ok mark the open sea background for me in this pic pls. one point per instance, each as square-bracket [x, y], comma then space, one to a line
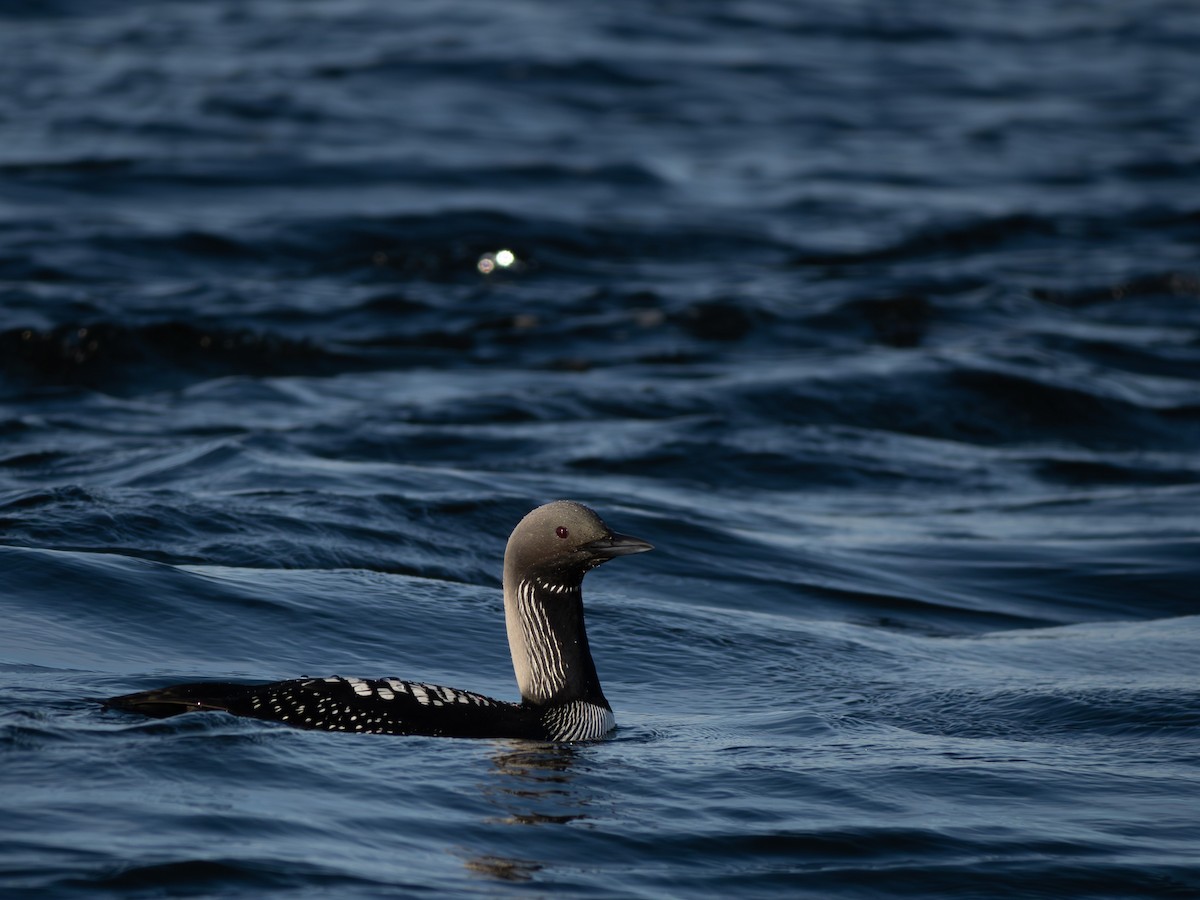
[882, 321]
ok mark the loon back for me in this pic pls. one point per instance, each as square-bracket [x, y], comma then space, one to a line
[548, 554]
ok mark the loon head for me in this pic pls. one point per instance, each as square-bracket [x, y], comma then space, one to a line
[557, 544]
[548, 554]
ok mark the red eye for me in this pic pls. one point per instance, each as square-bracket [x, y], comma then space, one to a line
[562, 532]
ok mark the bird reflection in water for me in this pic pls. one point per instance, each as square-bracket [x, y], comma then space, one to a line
[532, 786]
[503, 868]
[535, 784]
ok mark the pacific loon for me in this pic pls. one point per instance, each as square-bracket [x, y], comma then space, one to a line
[548, 554]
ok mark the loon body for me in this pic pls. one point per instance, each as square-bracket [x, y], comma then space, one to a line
[548, 554]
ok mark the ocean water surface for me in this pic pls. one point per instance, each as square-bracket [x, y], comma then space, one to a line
[881, 322]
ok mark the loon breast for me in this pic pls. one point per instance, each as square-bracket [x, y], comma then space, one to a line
[548, 554]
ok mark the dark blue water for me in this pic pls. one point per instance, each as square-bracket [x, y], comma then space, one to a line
[882, 321]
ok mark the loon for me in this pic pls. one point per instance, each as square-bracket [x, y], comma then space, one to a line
[548, 553]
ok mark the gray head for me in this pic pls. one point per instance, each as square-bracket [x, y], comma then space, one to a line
[558, 543]
[548, 554]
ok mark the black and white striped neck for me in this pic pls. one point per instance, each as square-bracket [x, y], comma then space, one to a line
[551, 656]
